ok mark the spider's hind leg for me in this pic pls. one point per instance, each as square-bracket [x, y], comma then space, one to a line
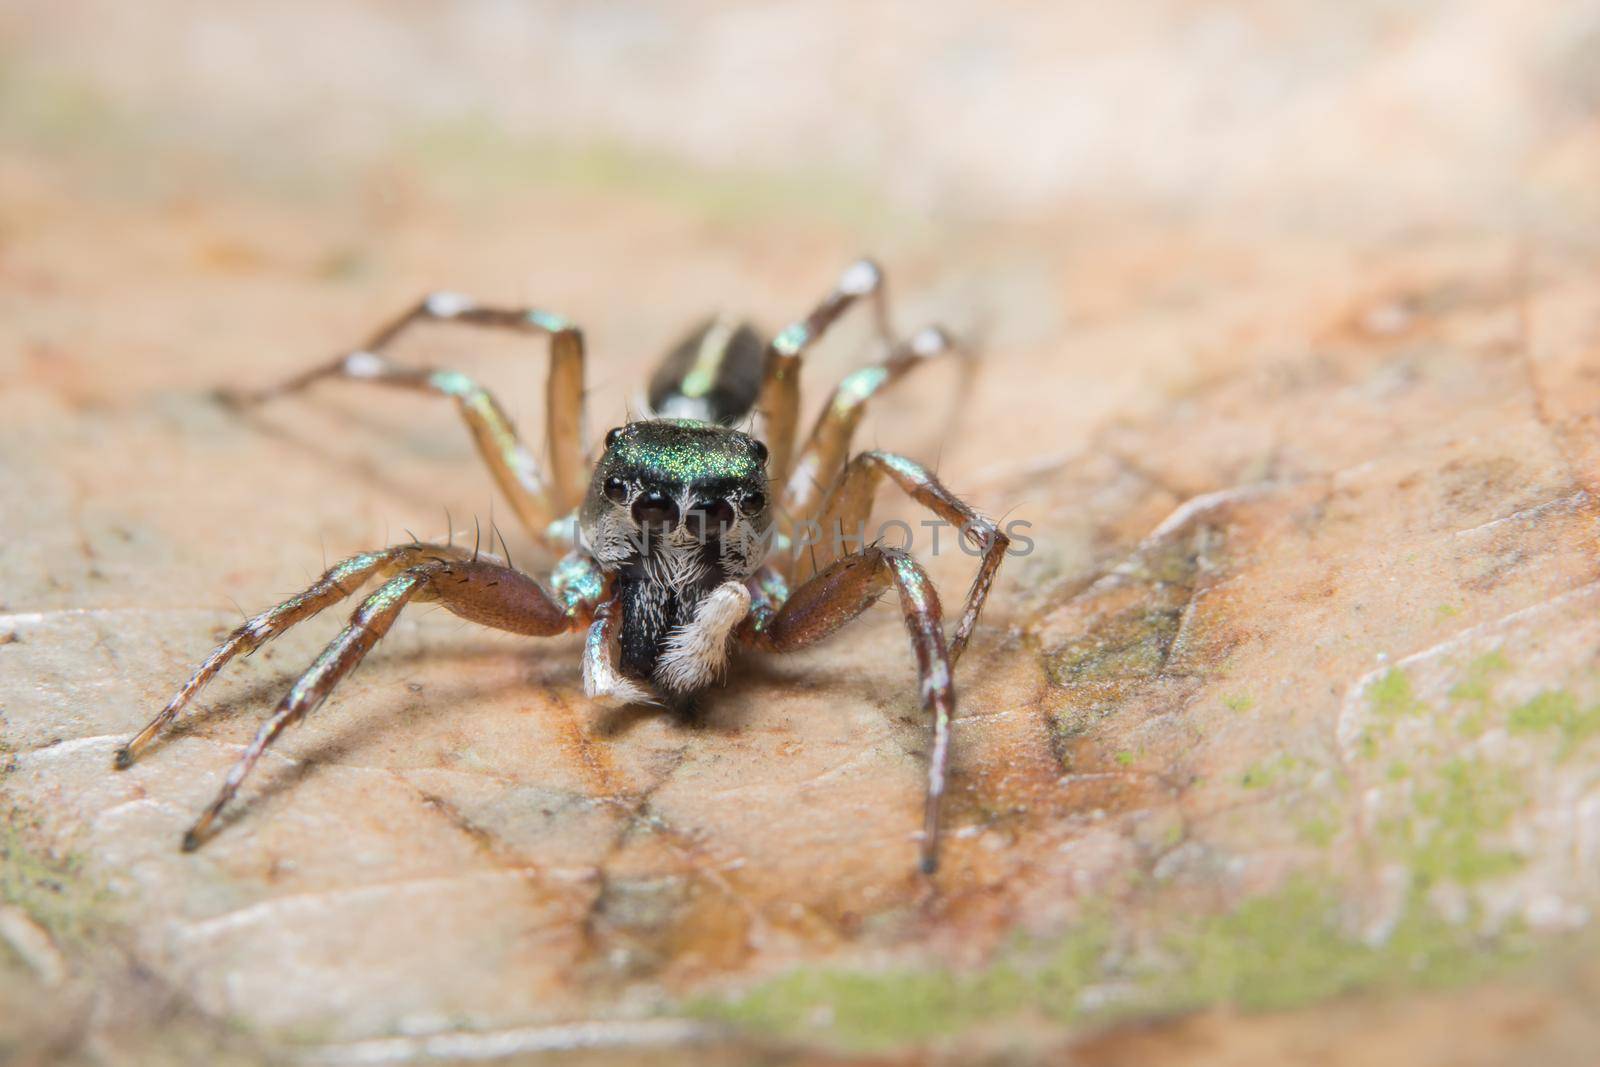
[823, 456]
[512, 463]
[778, 404]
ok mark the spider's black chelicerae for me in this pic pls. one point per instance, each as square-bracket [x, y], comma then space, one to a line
[682, 539]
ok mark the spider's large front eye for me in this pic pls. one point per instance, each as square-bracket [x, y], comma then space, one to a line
[616, 490]
[710, 515]
[655, 509]
[752, 502]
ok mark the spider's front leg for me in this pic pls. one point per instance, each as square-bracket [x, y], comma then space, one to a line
[512, 463]
[841, 593]
[339, 582]
[478, 589]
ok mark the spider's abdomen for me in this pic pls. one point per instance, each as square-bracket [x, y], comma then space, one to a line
[712, 375]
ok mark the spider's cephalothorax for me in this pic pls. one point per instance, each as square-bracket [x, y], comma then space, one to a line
[677, 545]
[676, 508]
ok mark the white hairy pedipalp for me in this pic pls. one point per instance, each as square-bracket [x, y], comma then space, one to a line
[696, 653]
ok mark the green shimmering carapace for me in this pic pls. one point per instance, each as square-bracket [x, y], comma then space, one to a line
[684, 451]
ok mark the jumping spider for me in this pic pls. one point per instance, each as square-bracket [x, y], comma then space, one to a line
[674, 543]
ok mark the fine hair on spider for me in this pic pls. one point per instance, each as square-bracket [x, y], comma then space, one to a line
[676, 545]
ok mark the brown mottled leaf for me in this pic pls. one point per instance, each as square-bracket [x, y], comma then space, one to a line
[1282, 735]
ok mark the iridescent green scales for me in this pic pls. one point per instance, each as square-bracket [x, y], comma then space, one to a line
[685, 451]
[577, 580]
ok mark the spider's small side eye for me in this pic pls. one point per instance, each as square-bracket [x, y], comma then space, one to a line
[761, 451]
[752, 503]
[612, 435]
[616, 489]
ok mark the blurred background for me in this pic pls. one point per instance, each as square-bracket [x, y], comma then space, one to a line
[1373, 113]
[1327, 269]
[1030, 169]
[1029, 173]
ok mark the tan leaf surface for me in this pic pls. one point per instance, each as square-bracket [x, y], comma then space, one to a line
[1293, 697]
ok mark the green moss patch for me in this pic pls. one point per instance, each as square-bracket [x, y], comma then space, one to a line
[1290, 948]
[1284, 949]
[1279, 770]
[883, 1008]
[1392, 697]
[1132, 644]
[51, 890]
[1445, 815]
[1557, 712]
[477, 149]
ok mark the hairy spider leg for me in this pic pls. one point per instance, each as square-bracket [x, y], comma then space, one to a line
[778, 402]
[841, 593]
[512, 463]
[845, 513]
[823, 456]
[478, 590]
[340, 581]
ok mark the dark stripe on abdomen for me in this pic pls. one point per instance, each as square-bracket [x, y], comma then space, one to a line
[713, 374]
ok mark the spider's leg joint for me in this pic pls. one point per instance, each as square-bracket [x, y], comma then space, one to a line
[363, 364]
[447, 305]
[861, 278]
[931, 341]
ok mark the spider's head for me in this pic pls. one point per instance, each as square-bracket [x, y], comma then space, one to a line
[677, 485]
